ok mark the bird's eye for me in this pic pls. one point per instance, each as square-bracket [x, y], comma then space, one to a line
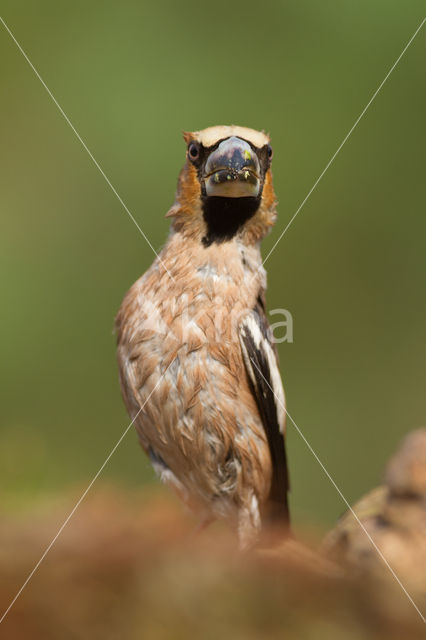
[270, 152]
[193, 151]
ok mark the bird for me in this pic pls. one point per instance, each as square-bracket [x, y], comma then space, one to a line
[198, 366]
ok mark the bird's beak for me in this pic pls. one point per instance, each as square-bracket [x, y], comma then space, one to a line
[232, 170]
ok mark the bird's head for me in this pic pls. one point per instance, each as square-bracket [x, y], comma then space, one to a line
[225, 187]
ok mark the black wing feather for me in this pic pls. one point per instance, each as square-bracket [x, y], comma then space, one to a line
[260, 358]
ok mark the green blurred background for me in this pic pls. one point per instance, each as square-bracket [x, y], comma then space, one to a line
[351, 269]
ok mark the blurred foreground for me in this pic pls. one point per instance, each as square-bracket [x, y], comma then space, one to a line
[129, 566]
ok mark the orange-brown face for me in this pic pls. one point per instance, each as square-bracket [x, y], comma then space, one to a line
[225, 187]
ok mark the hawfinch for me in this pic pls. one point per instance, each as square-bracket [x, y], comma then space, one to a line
[198, 367]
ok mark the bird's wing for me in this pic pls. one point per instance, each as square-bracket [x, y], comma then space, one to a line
[262, 368]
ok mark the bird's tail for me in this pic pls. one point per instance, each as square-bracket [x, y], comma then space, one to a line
[276, 512]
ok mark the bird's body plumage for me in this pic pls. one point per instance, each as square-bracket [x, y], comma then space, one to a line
[188, 332]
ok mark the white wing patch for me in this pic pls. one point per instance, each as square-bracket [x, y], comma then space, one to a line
[251, 332]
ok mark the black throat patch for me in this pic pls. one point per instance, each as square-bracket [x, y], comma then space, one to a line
[225, 216]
